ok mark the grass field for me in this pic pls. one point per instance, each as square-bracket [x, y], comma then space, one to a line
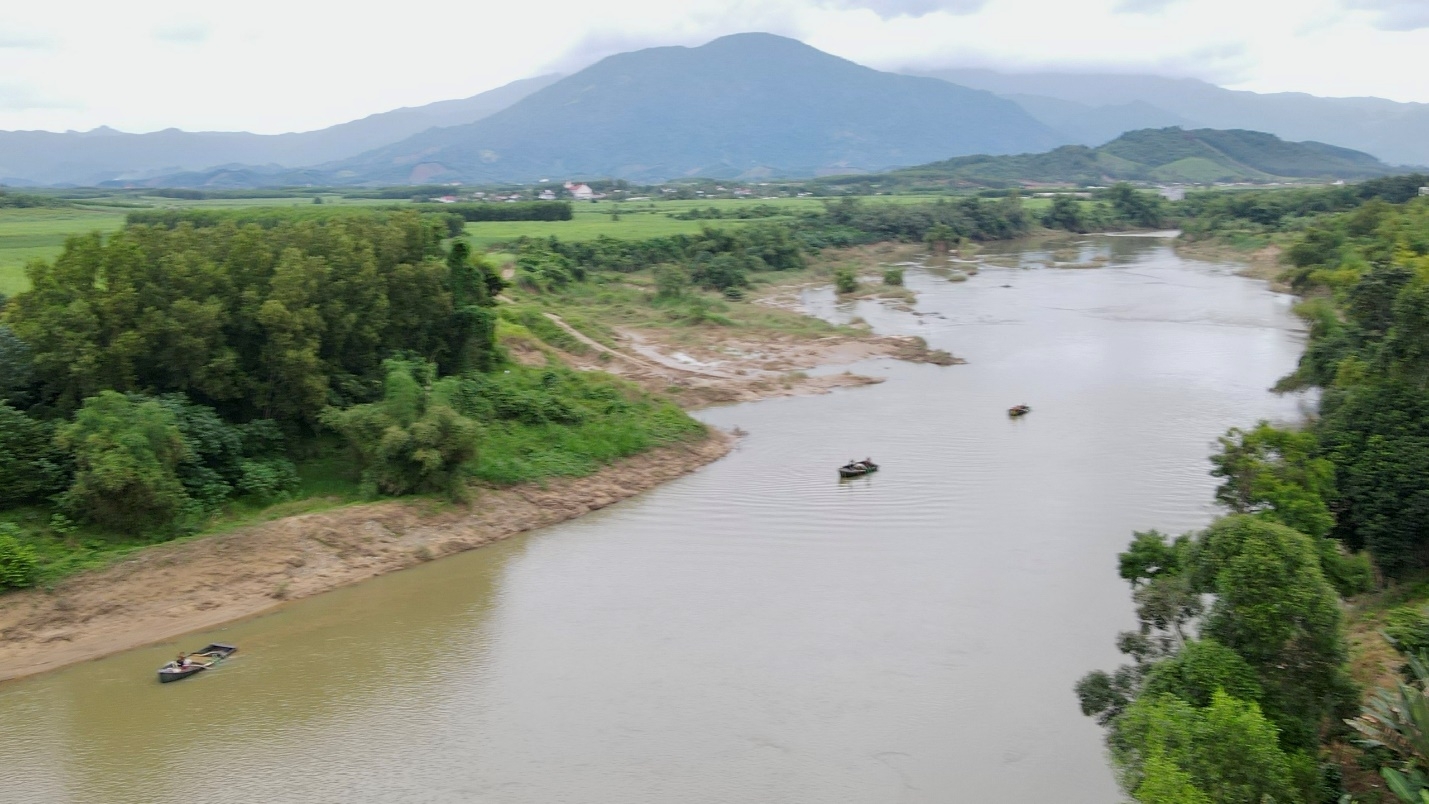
[642, 219]
[27, 234]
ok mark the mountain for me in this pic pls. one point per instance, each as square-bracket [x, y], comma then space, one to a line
[1161, 155]
[91, 157]
[1395, 132]
[742, 105]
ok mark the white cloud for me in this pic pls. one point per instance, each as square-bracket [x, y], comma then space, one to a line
[21, 41]
[1141, 6]
[279, 65]
[22, 98]
[888, 9]
[191, 33]
[1395, 15]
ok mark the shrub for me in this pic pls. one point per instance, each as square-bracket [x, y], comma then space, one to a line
[19, 566]
[1407, 627]
[893, 276]
[845, 280]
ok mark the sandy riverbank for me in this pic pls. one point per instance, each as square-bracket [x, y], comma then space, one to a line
[173, 589]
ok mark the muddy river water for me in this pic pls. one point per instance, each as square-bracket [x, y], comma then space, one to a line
[757, 632]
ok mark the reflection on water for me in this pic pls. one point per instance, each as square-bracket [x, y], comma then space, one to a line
[758, 631]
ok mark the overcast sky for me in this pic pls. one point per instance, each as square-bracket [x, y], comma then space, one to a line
[294, 65]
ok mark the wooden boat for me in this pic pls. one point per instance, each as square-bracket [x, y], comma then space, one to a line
[1018, 410]
[203, 659]
[858, 468]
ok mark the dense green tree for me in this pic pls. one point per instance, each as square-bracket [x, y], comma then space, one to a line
[1136, 208]
[1065, 213]
[1227, 751]
[127, 455]
[1278, 474]
[413, 440]
[272, 319]
[32, 468]
[1377, 434]
[1274, 607]
[17, 373]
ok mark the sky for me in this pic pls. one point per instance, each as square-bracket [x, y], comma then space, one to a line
[296, 65]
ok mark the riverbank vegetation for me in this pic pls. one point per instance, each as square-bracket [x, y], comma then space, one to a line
[1254, 697]
[173, 377]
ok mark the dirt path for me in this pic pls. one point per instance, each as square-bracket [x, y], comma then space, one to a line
[170, 590]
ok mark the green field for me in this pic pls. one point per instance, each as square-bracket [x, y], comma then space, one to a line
[644, 219]
[28, 234]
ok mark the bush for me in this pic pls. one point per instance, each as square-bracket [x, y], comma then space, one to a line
[267, 479]
[1407, 628]
[845, 280]
[19, 566]
[893, 277]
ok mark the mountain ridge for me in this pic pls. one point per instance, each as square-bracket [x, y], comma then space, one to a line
[1169, 155]
[1393, 131]
[738, 104]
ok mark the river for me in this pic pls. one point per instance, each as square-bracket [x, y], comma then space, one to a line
[757, 632]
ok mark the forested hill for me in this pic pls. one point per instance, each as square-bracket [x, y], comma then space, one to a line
[1164, 154]
[740, 105]
[1090, 108]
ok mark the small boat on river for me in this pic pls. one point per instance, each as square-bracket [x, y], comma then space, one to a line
[857, 468]
[195, 662]
[1018, 410]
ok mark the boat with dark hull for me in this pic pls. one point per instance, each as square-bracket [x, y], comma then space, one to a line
[1017, 411]
[200, 660]
[858, 469]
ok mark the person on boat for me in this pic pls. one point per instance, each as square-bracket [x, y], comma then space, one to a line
[183, 662]
[868, 463]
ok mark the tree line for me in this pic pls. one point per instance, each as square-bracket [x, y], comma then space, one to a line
[1235, 701]
[150, 378]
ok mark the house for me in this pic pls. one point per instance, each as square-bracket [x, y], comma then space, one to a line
[580, 192]
[547, 195]
[447, 199]
[1424, 191]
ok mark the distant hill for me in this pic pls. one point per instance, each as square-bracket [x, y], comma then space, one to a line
[1158, 155]
[1090, 109]
[92, 157]
[743, 105]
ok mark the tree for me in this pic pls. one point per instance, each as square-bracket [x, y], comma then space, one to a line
[31, 467]
[1065, 213]
[1227, 751]
[1277, 474]
[1136, 208]
[126, 458]
[1377, 434]
[1275, 609]
[845, 280]
[939, 237]
[17, 372]
[412, 441]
